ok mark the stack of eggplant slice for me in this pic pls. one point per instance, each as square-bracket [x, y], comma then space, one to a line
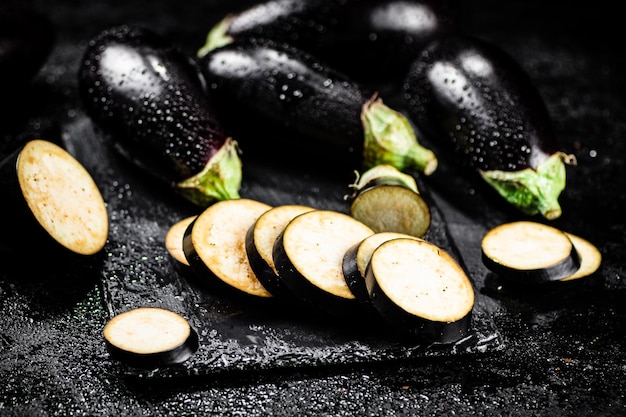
[524, 254]
[326, 263]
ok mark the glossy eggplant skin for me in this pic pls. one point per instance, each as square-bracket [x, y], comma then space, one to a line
[27, 38]
[371, 40]
[276, 88]
[148, 98]
[274, 85]
[468, 96]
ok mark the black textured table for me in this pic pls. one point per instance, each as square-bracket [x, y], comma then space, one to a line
[556, 352]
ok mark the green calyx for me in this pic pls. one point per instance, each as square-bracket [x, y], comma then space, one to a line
[217, 37]
[533, 191]
[384, 173]
[390, 139]
[219, 180]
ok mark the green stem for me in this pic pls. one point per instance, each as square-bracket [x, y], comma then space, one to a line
[219, 180]
[217, 37]
[383, 173]
[533, 191]
[390, 139]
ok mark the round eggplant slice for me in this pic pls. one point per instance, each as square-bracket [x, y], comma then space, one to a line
[388, 200]
[308, 255]
[49, 197]
[421, 290]
[260, 240]
[526, 252]
[357, 258]
[214, 245]
[590, 258]
[174, 241]
[150, 337]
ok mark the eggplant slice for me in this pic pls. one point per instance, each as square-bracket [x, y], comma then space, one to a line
[590, 258]
[527, 252]
[150, 337]
[260, 240]
[420, 290]
[308, 255]
[388, 200]
[357, 258]
[51, 198]
[214, 245]
[174, 241]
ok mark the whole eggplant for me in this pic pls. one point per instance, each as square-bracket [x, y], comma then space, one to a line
[468, 96]
[371, 40]
[148, 98]
[272, 87]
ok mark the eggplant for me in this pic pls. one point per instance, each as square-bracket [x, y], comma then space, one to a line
[174, 242]
[308, 256]
[214, 246]
[274, 87]
[356, 260]
[527, 253]
[471, 99]
[27, 38]
[260, 240]
[420, 290]
[51, 204]
[590, 258]
[150, 337]
[388, 200]
[371, 40]
[148, 99]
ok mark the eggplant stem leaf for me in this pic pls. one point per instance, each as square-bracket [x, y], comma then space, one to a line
[533, 191]
[219, 180]
[390, 139]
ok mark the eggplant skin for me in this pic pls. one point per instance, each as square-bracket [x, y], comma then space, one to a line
[273, 85]
[470, 96]
[371, 40]
[147, 96]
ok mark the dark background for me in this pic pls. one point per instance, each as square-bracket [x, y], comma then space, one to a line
[564, 350]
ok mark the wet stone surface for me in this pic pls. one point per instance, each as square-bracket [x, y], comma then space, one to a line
[556, 351]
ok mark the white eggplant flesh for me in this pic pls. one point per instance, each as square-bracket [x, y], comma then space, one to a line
[51, 201]
[174, 241]
[214, 246]
[421, 290]
[357, 258]
[260, 240]
[150, 337]
[527, 252]
[308, 255]
[590, 258]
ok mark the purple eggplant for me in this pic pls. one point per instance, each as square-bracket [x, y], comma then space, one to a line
[148, 99]
[371, 40]
[278, 87]
[468, 96]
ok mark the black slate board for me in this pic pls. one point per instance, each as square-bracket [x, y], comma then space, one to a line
[236, 335]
